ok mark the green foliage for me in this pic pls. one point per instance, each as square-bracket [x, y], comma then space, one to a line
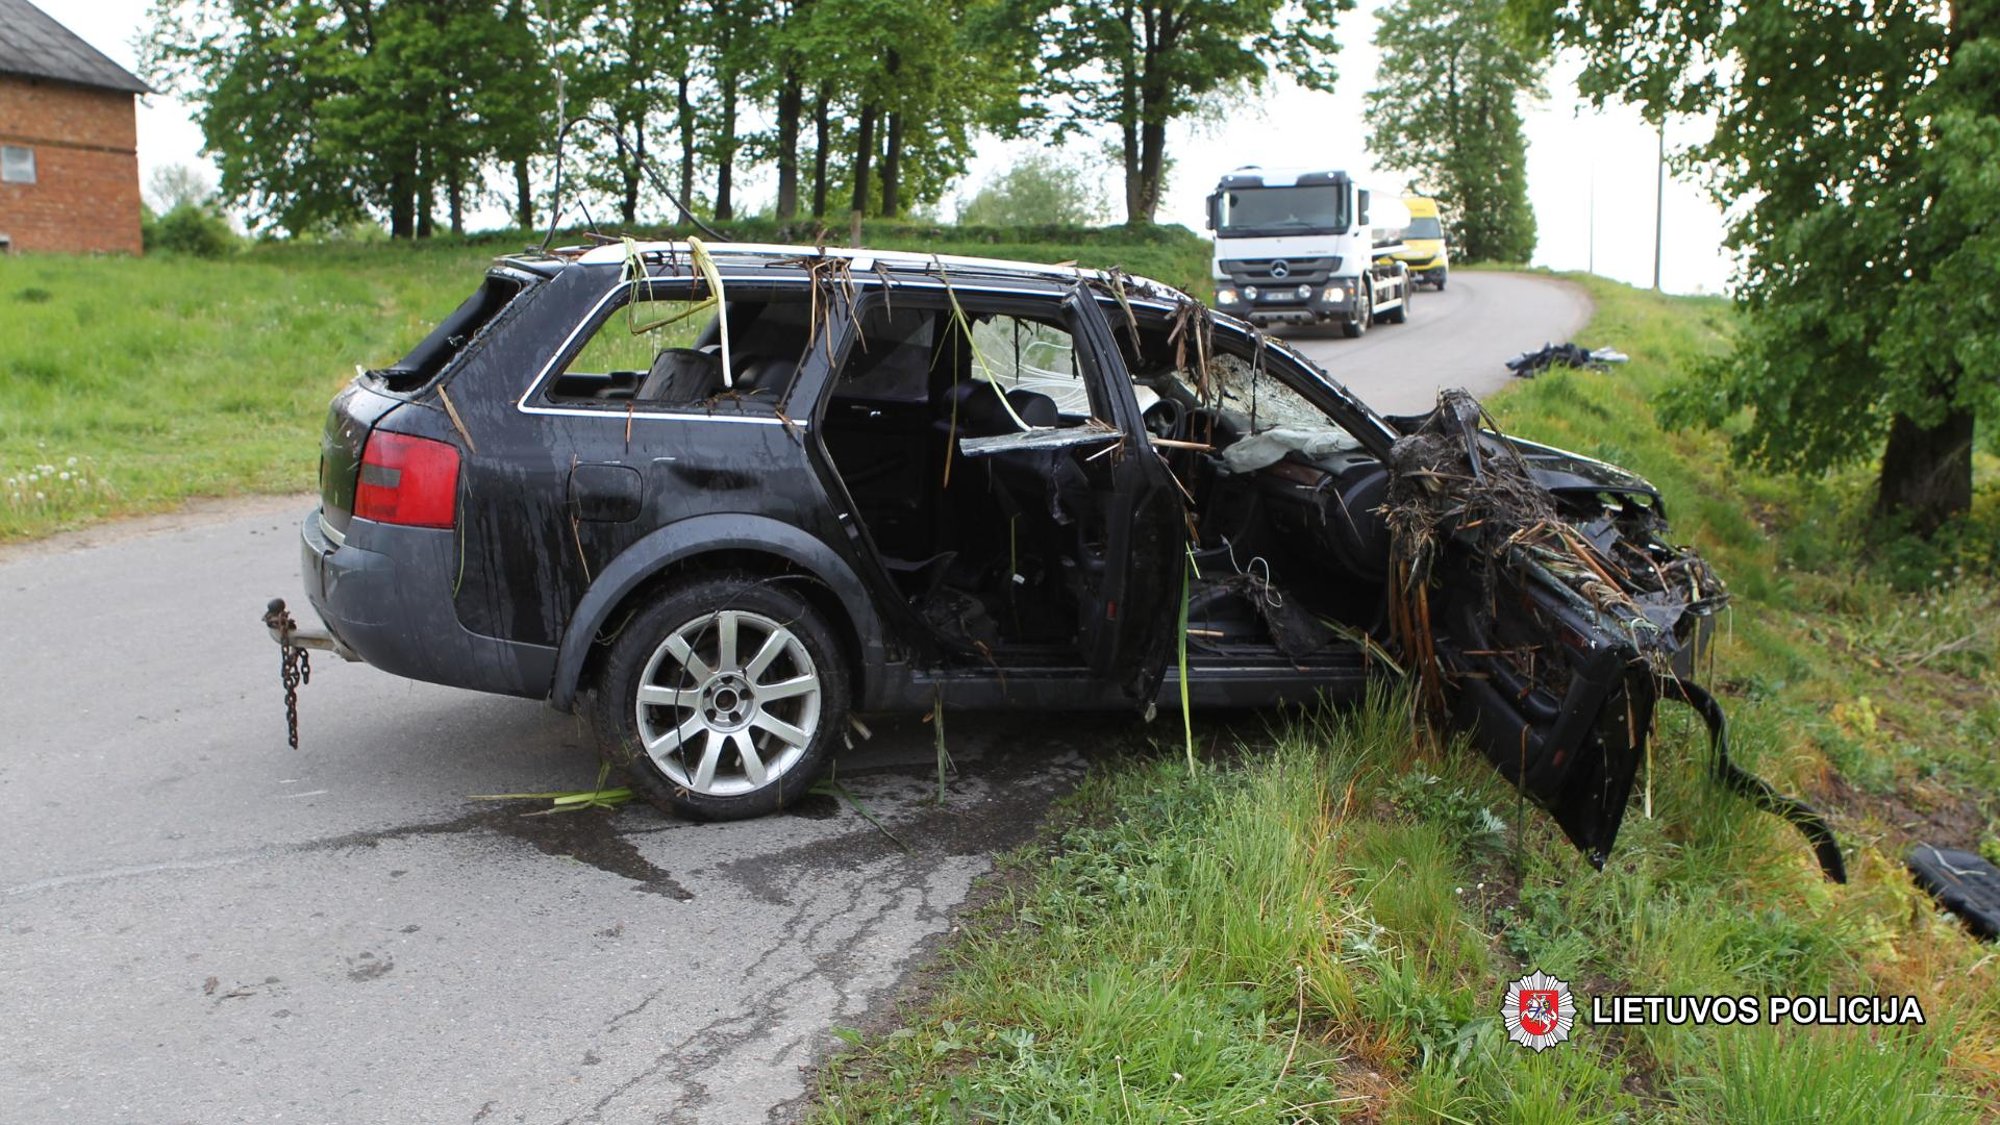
[1866, 141]
[1134, 66]
[1446, 110]
[1038, 189]
[318, 113]
[189, 229]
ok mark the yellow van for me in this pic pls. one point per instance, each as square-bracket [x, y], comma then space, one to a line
[1424, 250]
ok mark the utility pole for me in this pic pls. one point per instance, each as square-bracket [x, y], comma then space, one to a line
[1591, 239]
[1660, 207]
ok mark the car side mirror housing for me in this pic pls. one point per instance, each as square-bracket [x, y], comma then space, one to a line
[1213, 199]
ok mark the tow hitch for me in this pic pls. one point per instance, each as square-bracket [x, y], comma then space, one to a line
[1746, 784]
[295, 658]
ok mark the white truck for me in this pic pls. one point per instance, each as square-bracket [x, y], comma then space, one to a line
[1307, 247]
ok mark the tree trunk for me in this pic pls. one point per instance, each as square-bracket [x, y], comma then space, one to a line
[524, 199]
[1926, 472]
[790, 101]
[685, 108]
[457, 202]
[1152, 165]
[725, 152]
[821, 127]
[892, 169]
[864, 155]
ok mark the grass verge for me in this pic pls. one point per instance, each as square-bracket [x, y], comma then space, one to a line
[130, 385]
[1321, 927]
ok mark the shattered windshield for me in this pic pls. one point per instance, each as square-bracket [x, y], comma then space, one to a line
[1262, 398]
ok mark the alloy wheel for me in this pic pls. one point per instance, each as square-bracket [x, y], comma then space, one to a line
[728, 703]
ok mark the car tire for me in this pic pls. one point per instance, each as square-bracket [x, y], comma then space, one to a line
[1440, 281]
[1363, 317]
[723, 698]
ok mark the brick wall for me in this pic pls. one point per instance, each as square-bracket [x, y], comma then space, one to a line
[85, 198]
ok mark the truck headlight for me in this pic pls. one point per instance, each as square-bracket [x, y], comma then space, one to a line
[1250, 292]
[1305, 292]
[1225, 296]
[1336, 294]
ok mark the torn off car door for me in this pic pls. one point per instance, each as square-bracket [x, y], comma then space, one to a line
[1548, 615]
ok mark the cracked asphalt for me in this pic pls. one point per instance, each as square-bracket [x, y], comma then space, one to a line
[198, 924]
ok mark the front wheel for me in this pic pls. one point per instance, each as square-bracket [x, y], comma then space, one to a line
[722, 699]
[1364, 315]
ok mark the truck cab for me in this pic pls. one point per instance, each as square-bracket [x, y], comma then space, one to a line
[1425, 250]
[1307, 247]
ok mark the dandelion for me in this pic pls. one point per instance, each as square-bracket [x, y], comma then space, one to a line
[40, 496]
[64, 475]
[72, 461]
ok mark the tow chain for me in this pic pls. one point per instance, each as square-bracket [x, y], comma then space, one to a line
[294, 664]
[294, 668]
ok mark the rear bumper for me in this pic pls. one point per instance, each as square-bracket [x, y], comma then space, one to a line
[385, 592]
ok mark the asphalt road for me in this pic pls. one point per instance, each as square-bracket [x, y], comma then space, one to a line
[1460, 337]
[198, 924]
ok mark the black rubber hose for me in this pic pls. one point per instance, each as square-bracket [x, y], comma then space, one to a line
[1759, 792]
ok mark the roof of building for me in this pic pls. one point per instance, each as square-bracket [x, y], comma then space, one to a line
[33, 44]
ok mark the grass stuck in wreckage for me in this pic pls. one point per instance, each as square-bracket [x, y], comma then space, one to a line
[1319, 923]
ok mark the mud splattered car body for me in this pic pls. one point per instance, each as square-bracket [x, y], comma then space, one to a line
[723, 499]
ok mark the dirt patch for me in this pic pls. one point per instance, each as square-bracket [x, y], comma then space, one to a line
[1919, 812]
[193, 514]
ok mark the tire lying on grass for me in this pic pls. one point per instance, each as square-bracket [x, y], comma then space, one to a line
[723, 698]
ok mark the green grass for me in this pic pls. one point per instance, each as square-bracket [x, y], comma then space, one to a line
[1321, 925]
[132, 385]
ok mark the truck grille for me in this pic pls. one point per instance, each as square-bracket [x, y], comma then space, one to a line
[1280, 271]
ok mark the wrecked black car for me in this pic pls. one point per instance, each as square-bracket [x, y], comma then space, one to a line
[722, 498]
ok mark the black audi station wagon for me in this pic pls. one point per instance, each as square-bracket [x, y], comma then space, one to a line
[723, 498]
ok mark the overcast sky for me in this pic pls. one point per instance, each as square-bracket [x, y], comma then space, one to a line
[1587, 171]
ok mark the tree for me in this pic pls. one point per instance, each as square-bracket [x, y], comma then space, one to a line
[179, 185]
[320, 111]
[1859, 142]
[1138, 65]
[1038, 189]
[1446, 110]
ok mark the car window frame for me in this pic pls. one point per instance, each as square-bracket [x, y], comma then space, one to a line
[536, 399]
[1290, 367]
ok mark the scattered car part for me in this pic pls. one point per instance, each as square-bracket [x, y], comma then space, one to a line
[1529, 364]
[1963, 883]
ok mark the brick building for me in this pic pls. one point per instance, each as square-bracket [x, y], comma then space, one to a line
[69, 163]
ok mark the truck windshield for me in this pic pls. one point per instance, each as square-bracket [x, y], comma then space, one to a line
[1426, 227]
[1250, 212]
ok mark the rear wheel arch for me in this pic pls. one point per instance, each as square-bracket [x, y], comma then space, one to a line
[717, 545]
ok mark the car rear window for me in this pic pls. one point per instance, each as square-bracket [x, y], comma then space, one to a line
[451, 336]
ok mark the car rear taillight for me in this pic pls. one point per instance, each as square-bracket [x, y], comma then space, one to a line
[407, 480]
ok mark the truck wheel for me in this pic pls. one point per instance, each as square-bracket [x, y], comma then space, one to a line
[1364, 316]
[1401, 313]
[723, 699]
[1440, 280]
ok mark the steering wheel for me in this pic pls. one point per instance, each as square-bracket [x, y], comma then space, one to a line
[1167, 418]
